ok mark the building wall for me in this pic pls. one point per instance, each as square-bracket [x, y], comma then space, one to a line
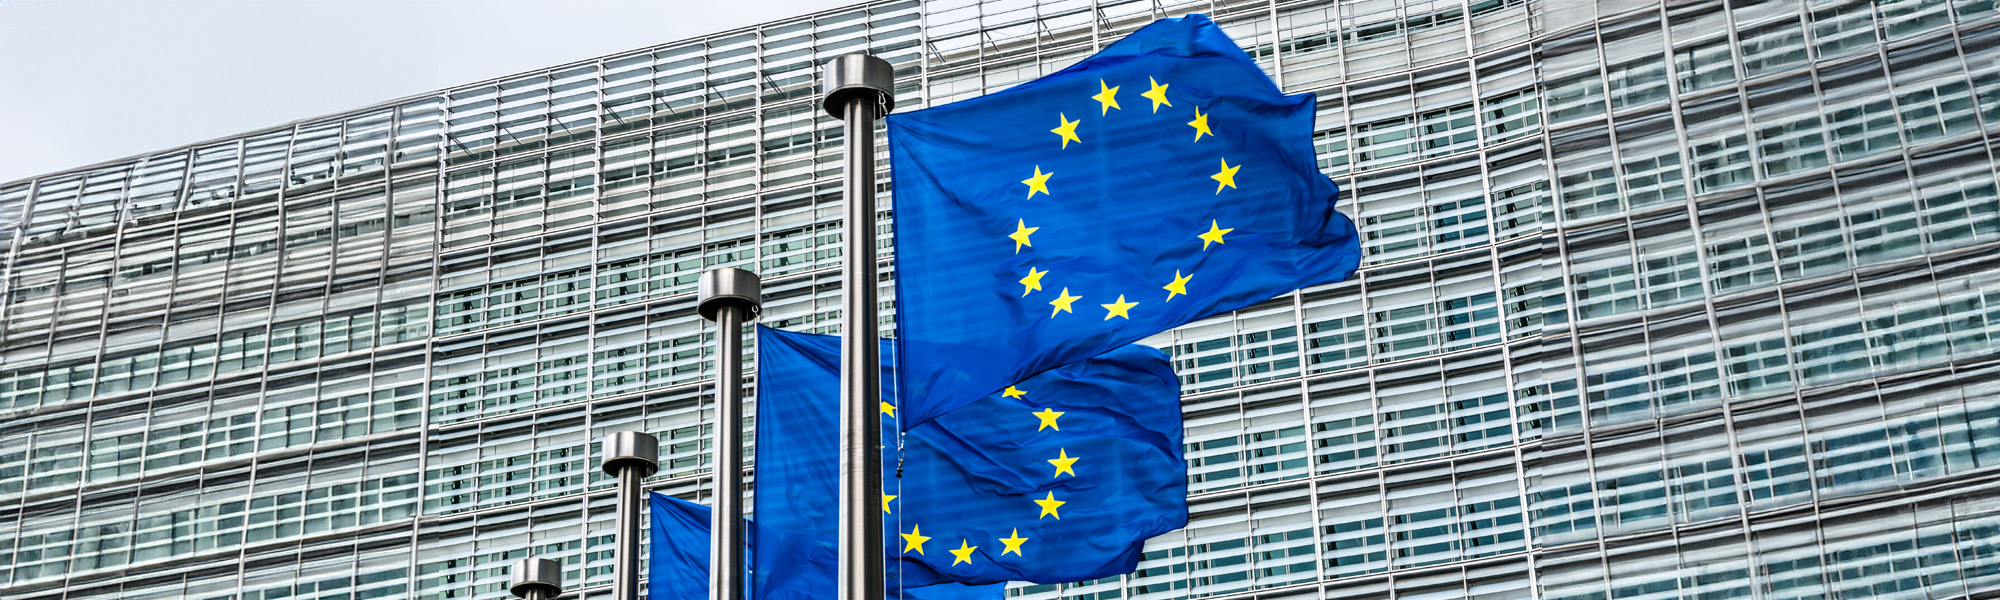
[1691, 301]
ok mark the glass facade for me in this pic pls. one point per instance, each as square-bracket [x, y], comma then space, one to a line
[1686, 301]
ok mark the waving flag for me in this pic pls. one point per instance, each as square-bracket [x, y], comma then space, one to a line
[1163, 180]
[679, 560]
[1061, 478]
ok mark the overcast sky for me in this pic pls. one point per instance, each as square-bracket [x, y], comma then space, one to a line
[86, 81]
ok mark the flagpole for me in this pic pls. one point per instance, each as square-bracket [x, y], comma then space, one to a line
[728, 296]
[859, 89]
[631, 457]
[536, 579]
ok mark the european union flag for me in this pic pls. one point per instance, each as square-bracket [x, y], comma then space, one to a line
[1060, 478]
[679, 561]
[1031, 233]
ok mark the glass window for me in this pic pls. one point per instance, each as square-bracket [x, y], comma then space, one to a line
[1413, 416]
[1775, 471]
[315, 148]
[1373, 37]
[1843, 29]
[1219, 546]
[1669, 266]
[1905, 324]
[1650, 160]
[1959, 198]
[1739, 251]
[1882, 214]
[1446, 121]
[1343, 416]
[1643, 569]
[1585, 177]
[1274, 439]
[1753, 346]
[1496, 23]
[1850, 447]
[1807, 232]
[1281, 526]
[1638, 71]
[1437, 32]
[1905, 18]
[1772, 47]
[1827, 340]
[1309, 48]
[1401, 315]
[1858, 109]
[1385, 130]
[1392, 215]
[1615, 377]
[1562, 507]
[1604, 280]
[1790, 138]
[1683, 363]
[1574, 89]
[1721, 151]
[1423, 515]
[1932, 95]
[1631, 482]
[1713, 565]
[1351, 525]
[1704, 66]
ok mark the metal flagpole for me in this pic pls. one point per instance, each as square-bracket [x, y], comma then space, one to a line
[728, 297]
[536, 579]
[859, 89]
[630, 456]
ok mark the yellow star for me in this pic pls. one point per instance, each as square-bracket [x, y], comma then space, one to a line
[885, 502]
[1158, 95]
[1040, 182]
[1033, 282]
[1200, 124]
[889, 409]
[1062, 303]
[1049, 506]
[1224, 178]
[964, 552]
[1117, 309]
[1013, 542]
[1179, 286]
[1063, 462]
[1022, 230]
[1048, 418]
[1013, 392]
[1067, 130]
[1107, 96]
[916, 538]
[1214, 234]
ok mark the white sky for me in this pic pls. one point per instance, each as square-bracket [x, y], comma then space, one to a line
[86, 81]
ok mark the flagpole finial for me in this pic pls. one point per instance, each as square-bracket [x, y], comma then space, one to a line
[535, 578]
[631, 449]
[855, 76]
[726, 287]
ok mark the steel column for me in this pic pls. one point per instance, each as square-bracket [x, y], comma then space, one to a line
[859, 89]
[630, 456]
[535, 579]
[729, 297]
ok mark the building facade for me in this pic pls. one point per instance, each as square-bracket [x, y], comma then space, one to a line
[1695, 301]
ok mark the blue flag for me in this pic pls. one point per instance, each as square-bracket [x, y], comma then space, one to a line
[1061, 478]
[679, 560]
[1163, 180]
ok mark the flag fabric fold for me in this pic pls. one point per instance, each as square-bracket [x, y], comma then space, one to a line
[1160, 181]
[679, 559]
[1061, 478]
